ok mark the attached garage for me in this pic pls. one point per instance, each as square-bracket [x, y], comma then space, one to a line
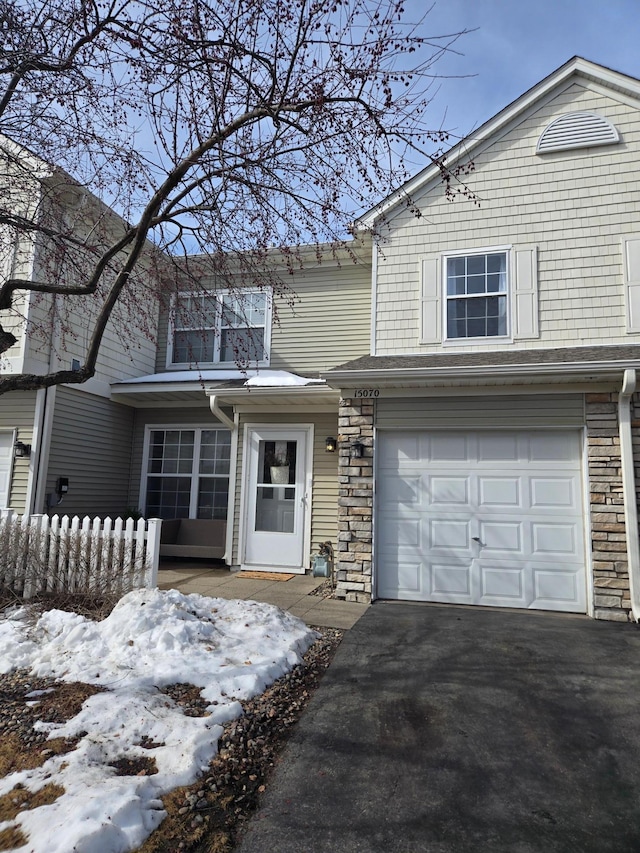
[486, 516]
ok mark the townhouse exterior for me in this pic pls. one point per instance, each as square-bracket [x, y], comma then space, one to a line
[498, 406]
[476, 365]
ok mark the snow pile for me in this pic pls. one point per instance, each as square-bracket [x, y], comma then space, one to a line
[231, 649]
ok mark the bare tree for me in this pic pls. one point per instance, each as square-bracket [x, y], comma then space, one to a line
[216, 129]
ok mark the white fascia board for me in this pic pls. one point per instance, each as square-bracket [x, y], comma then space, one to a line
[229, 394]
[341, 379]
[576, 66]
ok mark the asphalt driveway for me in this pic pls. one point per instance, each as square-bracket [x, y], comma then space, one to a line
[448, 730]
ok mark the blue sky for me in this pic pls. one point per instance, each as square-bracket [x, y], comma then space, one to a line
[518, 42]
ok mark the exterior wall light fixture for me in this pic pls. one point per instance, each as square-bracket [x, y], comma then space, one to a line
[356, 451]
[21, 450]
[330, 445]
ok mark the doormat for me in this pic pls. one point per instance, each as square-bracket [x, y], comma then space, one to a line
[266, 576]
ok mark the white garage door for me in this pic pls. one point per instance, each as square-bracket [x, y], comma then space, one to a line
[483, 517]
[6, 461]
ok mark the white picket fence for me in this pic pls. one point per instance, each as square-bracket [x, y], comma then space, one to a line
[96, 556]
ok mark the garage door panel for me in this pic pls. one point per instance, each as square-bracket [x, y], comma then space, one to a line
[491, 518]
[553, 493]
[403, 580]
[448, 534]
[401, 532]
[553, 447]
[502, 584]
[555, 539]
[448, 447]
[506, 536]
[449, 490]
[557, 588]
[451, 582]
[397, 491]
[495, 447]
[499, 492]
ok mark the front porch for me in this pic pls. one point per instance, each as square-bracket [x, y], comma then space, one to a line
[294, 595]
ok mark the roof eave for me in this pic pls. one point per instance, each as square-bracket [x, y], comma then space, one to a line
[572, 371]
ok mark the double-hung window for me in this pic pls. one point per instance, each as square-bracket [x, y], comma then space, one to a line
[476, 295]
[223, 328]
[187, 473]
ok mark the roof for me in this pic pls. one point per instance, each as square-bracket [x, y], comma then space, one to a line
[567, 361]
[575, 67]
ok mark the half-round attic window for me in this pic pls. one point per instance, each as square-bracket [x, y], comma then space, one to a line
[577, 130]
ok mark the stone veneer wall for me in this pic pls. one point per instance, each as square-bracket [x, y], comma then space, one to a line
[355, 502]
[608, 533]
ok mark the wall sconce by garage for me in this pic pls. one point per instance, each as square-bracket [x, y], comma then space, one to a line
[330, 445]
[21, 450]
[356, 451]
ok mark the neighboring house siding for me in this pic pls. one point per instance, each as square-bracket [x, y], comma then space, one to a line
[91, 445]
[17, 411]
[324, 503]
[574, 206]
[182, 417]
[328, 323]
[528, 412]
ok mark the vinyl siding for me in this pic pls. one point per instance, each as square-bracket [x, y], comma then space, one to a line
[183, 417]
[573, 205]
[324, 498]
[91, 445]
[538, 410]
[17, 411]
[324, 320]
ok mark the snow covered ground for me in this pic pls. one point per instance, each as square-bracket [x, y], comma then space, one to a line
[231, 649]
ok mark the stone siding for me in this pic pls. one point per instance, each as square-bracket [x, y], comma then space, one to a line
[608, 532]
[355, 502]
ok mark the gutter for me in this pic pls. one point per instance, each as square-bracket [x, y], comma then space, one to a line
[629, 488]
[345, 378]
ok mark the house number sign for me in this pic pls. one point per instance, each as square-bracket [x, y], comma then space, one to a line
[366, 392]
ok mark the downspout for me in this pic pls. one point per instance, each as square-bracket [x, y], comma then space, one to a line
[220, 415]
[233, 467]
[374, 293]
[629, 488]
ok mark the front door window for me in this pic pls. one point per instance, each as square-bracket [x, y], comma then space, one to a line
[276, 489]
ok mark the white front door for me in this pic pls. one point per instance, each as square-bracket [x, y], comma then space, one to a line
[6, 464]
[277, 499]
[482, 517]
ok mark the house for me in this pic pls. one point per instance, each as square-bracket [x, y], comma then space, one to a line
[477, 365]
[67, 446]
[232, 429]
[239, 460]
[490, 441]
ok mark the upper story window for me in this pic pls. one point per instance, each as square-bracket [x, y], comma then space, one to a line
[476, 295]
[222, 328]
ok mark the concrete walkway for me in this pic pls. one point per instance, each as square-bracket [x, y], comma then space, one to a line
[292, 595]
[464, 730]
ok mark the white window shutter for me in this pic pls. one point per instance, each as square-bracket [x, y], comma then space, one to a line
[524, 289]
[431, 302]
[631, 258]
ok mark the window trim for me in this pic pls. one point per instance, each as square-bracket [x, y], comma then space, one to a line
[195, 475]
[218, 295]
[483, 339]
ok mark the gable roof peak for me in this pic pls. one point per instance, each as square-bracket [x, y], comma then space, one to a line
[577, 66]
